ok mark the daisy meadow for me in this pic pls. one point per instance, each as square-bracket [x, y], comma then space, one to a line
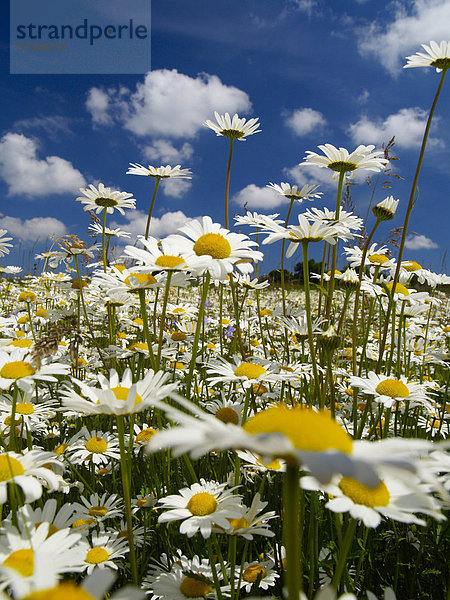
[201, 506]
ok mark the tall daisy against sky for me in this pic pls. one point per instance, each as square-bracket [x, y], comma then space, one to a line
[438, 57]
[157, 173]
[234, 129]
[106, 200]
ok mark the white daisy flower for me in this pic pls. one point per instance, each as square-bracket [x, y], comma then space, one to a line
[435, 55]
[4, 243]
[105, 550]
[97, 447]
[118, 396]
[252, 521]
[33, 560]
[176, 582]
[388, 390]
[160, 172]
[105, 198]
[342, 161]
[17, 368]
[28, 472]
[207, 246]
[392, 499]
[98, 508]
[157, 255]
[262, 574]
[200, 506]
[235, 128]
[243, 372]
[307, 192]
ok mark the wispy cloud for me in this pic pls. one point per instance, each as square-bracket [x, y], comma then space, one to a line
[166, 104]
[412, 24]
[420, 242]
[30, 176]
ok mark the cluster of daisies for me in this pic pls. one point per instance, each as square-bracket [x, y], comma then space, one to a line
[162, 412]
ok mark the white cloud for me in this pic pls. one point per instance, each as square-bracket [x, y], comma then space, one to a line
[176, 188]
[30, 176]
[306, 6]
[32, 230]
[52, 125]
[159, 226]
[253, 196]
[98, 105]
[363, 97]
[412, 24]
[165, 151]
[420, 242]
[408, 125]
[167, 103]
[304, 120]
[310, 174]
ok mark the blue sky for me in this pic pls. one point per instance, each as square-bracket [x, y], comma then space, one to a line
[313, 71]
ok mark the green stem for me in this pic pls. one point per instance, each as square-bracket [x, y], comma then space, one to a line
[335, 247]
[198, 328]
[103, 240]
[227, 184]
[308, 318]
[150, 210]
[409, 208]
[292, 531]
[344, 550]
[148, 339]
[163, 319]
[127, 495]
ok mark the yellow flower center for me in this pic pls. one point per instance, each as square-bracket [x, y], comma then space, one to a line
[9, 467]
[21, 343]
[193, 588]
[361, 494]
[97, 445]
[265, 312]
[106, 202]
[241, 523]
[51, 528]
[59, 450]
[41, 312]
[392, 388]
[24, 408]
[378, 259]
[273, 465]
[16, 370]
[145, 435]
[98, 511]
[342, 166]
[169, 261]
[121, 393]
[411, 266]
[66, 590]
[252, 572]
[82, 523]
[202, 504]
[226, 414]
[213, 244]
[178, 336]
[23, 319]
[249, 370]
[307, 430]
[259, 389]
[95, 556]
[139, 346]
[27, 296]
[21, 561]
[139, 279]
[399, 289]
